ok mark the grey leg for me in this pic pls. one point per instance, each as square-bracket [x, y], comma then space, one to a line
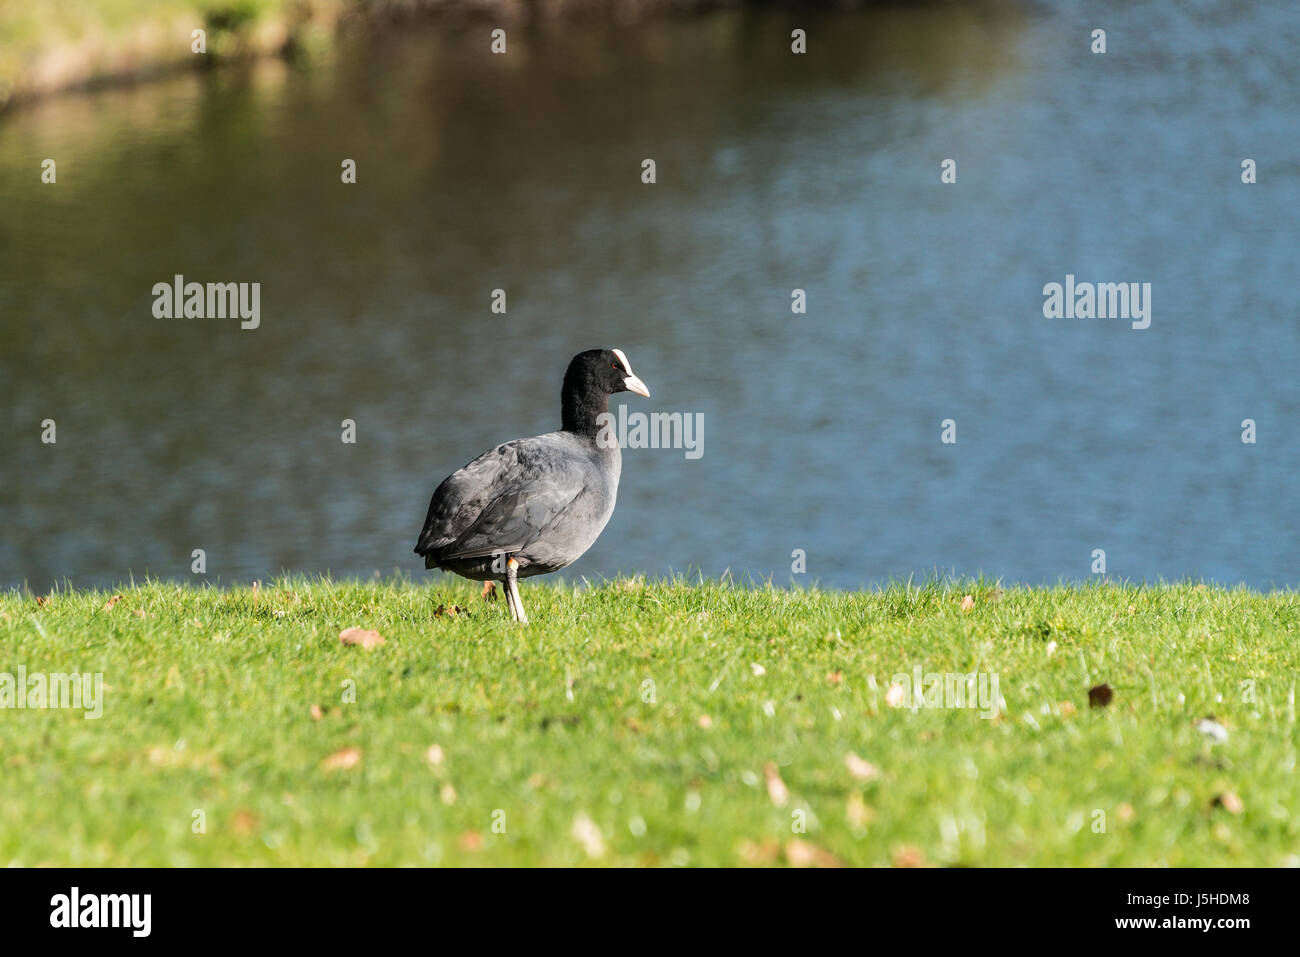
[510, 601]
[512, 592]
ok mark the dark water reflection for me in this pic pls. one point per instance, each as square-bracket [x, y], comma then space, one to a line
[775, 172]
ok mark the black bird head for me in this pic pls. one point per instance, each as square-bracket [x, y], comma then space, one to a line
[593, 376]
[602, 372]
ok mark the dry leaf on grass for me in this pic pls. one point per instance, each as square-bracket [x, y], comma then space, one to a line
[835, 677]
[42, 601]
[164, 757]
[586, 833]
[244, 823]
[316, 712]
[860, 769]
[434, 754]
[342, 760]
[895, 695]
[705, 722]
[758, 669]
[776, 788]
[757, 854]
[804, 854]
[1229, 802]
[448, 794]
[365, 637]
[111, 602]
[1100, 695]
[907, 856]
[968, 603]
[471, 841]
[450, 611]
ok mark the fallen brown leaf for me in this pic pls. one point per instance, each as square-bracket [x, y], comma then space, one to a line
[968, 603]
[1229, 802]
[450, 611]
[860, 769]
[803, 854]
[489, 591]
[587, 833]
[471, 841]
[776, 788]
[365, 637]
[757, 854]
[316, 712]
[835, 677]
[907, 856]
[244, 823]
[1100, 695]
[895, 695]
[342, 760]
[111, 602]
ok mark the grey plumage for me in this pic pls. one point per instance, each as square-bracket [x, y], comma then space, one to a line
[540, 501]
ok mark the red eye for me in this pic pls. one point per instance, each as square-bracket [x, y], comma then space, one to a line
[614, 366]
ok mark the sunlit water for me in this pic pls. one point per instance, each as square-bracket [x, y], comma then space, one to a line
[775, 172]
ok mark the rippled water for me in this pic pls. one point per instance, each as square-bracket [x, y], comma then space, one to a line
[775, 172]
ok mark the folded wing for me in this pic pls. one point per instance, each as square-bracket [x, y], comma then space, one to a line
[500, 502]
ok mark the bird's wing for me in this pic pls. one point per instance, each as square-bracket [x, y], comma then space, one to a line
[513, 521]
[500, 501]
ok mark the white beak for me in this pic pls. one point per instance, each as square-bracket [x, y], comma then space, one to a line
[631, 383]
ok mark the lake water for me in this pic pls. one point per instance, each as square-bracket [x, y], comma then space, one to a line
[822, 431]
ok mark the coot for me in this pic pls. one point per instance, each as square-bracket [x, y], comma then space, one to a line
[532, 506]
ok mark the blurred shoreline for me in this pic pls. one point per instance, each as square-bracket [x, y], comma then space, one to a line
[68, 45]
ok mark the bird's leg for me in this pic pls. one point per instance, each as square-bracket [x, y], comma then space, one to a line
[510, 602]
[512, 592]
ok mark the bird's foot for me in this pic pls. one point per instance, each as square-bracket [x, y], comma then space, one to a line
[512, 592]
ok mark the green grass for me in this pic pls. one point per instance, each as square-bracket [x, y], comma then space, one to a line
[209, 695]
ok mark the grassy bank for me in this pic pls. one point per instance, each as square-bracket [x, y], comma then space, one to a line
[655, 724]
[56, 45]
